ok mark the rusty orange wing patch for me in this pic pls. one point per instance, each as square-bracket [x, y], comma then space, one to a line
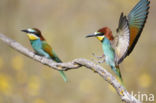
[137, 19]
[47, 48]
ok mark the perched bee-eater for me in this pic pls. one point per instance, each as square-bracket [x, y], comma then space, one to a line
[42, 48]
[116, 48]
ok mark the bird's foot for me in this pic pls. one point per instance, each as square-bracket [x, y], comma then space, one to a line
[98, 57]
[99, 61]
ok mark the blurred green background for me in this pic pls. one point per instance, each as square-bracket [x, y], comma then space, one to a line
[64, 23]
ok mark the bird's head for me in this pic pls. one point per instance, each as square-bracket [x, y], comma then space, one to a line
[102, 33]
[33, 34]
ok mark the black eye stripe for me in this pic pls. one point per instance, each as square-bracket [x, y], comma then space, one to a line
[31, 32]
[100, 34]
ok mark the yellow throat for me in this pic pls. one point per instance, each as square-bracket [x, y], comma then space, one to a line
[32, 36]
[100, 38]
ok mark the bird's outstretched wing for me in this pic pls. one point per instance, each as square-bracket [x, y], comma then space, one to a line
[121, 41]
[136, 21]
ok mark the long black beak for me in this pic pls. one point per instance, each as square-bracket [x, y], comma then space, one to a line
[95, 34]
[24, 31]
[91, 35]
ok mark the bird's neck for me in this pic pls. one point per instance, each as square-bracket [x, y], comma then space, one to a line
[41, 37]
[34, 41]
[106, 41]
[109, 35]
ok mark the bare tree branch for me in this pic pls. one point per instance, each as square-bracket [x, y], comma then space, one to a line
[74, 64]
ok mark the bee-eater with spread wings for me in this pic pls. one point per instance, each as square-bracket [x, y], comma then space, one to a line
[41, 47]
[130, 27]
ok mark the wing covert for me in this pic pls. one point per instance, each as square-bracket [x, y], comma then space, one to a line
[122, 39]
[47, 48]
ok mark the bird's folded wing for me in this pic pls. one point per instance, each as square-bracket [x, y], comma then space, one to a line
[121, 41]
[136, 19]
[47, 48]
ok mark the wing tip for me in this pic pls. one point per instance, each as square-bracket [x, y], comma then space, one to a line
[122, 21]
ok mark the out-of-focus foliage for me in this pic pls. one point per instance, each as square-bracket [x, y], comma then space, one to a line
[17, 62]
[144, 80]
[1, 63]
[64, 23]
[4, 84]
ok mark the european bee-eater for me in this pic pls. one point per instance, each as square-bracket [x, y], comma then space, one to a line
[130, 27]
[42, 48]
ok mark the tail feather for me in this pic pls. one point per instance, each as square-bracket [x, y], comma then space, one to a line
[63, 76]
[58, 60]
[118, 73]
